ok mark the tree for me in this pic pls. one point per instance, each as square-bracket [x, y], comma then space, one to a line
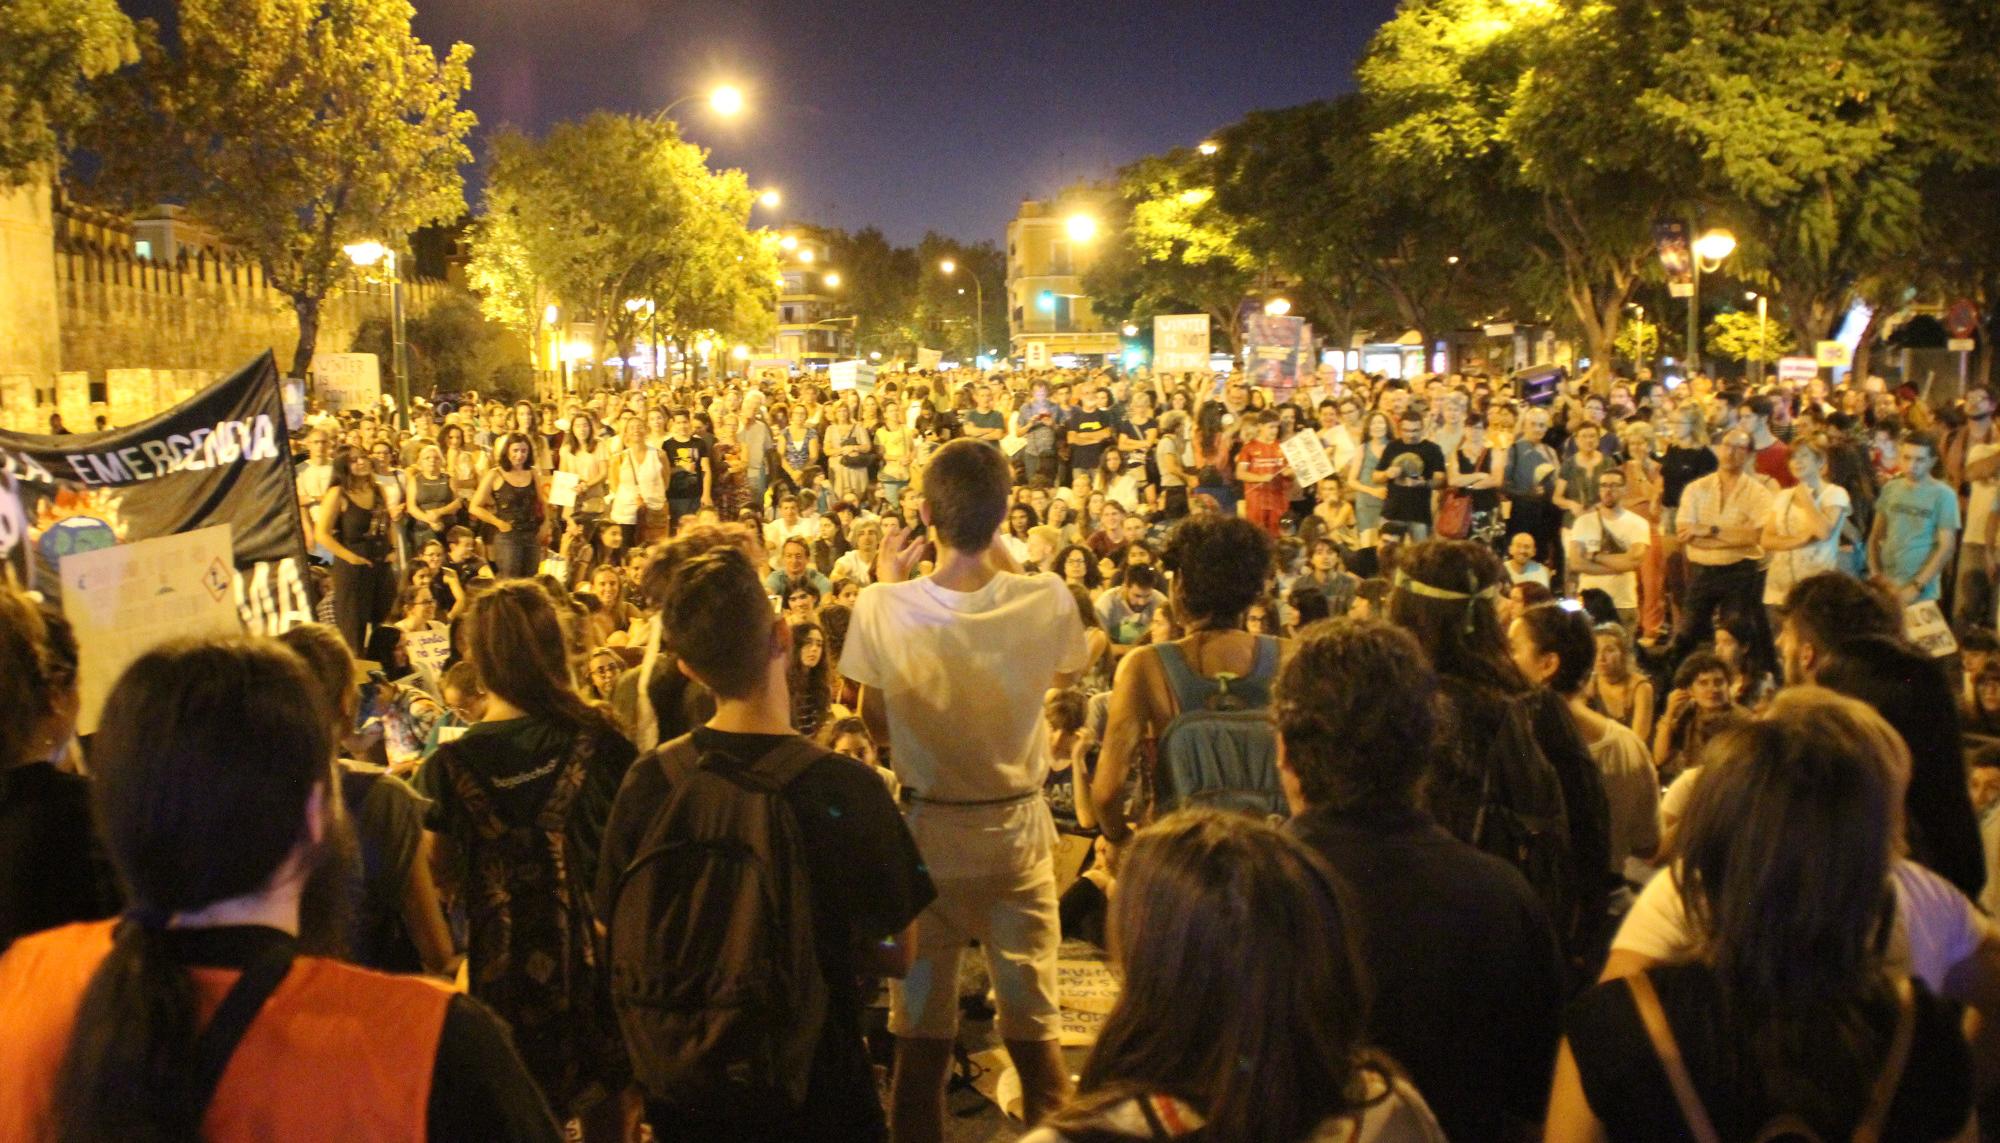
[617, 208]
[1816, 123]
[1638, 342]
[1740, 336]
[1170, 247]
[454, 347]
[49, 50]
[1517, 116]
[295, 128]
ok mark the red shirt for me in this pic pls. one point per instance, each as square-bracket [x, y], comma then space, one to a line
[1775, 462]
[1265, 458]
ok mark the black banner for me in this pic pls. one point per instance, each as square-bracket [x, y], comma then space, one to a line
[220, 457]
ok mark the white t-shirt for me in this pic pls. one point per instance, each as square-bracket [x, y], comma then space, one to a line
[1788, 515]
[1979, 504]
[963, 675]
[1631, 792]
[1632, 532]
[1936, 928]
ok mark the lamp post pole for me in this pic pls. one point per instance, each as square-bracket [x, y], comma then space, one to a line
[399, 346]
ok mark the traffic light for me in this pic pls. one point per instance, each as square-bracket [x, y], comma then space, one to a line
[1046, 302]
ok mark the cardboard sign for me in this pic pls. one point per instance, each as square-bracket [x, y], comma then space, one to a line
[348, 380]
[1035, 354]
[1833, 354]
[856, 375]
[1924, 626]
[1181, 343]
[126, 599]
[1306, 453]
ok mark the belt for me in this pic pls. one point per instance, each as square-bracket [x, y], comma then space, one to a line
[1009, 800]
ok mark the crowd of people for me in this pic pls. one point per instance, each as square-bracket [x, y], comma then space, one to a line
[1580, 768]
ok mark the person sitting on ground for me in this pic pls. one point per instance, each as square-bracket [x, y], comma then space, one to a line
[1794, 1008]
[215, 792]
[397, 924]
[1241, 1011]
[1555, 647]
[1220, 564]
[866, 882]
[1698, 708]
[1463, 962]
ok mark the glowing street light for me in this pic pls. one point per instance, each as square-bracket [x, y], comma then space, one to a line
[549, 314]
[788, 242]
[365, 254]
[726, 100]
[1080, 227]
[832, 279]
[740, 352]
[806, 255]
[949, 267]
[1130, 329]
[1278, 307]
[770, 199]
[1207, 147]
[1709, 250]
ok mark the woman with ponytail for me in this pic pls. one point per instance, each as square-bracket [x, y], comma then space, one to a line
[519, 805]
[199, 1014]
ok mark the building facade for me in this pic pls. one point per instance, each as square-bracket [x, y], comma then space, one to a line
[812, 331]
[1051, 244]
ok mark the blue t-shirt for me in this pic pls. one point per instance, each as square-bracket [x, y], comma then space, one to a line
[1912, 514]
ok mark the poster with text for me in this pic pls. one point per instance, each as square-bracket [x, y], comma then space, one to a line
[1180, 343]
[1273, 347]
[1306, 453]
[125, 600]
[348, 381]
[220, 457]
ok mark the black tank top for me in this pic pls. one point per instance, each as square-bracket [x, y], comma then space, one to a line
[363, 531]
[521, 507]
[433, 493]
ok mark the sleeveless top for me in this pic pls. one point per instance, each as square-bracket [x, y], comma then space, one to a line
[1249, 691]
[364, 531]
[432, 492]
[276, 1085]
[521, 507]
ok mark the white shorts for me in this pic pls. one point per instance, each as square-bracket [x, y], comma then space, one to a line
[1013, 916]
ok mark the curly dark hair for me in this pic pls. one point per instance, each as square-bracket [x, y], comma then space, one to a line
[1359, 711]
[1220, 564]
[1461, 631]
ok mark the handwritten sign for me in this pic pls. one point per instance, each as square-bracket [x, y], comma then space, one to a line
[127, 599]
[348, 380]
[428, 650]
[1086, 985]
[1306, 453]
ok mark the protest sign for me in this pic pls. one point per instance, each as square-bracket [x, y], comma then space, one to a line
[928, 358]
[220, 457]
[1306, 453]
[562, 489]
[856, 375]
[1797, 370]
[428, 650]
[1833, 354]
[123, 601]
[1925, 627]
[348, 381]
[1180, 343]
[1035, 355]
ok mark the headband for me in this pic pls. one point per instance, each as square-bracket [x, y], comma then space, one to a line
[1403, 582]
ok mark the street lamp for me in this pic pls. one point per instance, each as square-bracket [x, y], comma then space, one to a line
[1711, 248]
[1129, 329]
[1763, 316]
[832, 279]
[770, 199]
[1278, 307]
[949, 267]
[1207, 147]
[366, 254]
[724, 99]
[1080, 227]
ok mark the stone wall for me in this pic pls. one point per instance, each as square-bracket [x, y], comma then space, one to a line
[134, 335]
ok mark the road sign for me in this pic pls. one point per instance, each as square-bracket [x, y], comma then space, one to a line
[1036, 354]
[1797, 369]
[1962, 319]
[1833, 354]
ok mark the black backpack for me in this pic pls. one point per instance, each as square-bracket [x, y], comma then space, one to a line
[714, 972]
[1501, 794]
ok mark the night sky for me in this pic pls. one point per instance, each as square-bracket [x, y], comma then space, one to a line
[907, 116]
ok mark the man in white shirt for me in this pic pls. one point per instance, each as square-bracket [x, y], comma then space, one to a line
[1720, 525]
[1607, 546]
[953, 668]
[791, 524]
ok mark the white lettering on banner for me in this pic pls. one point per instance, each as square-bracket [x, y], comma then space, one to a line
[224, 444]
[272, 602]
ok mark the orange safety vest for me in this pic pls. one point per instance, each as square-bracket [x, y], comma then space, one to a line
[337, 1052]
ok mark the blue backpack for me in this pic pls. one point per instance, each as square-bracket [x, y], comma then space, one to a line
[1221, 749]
